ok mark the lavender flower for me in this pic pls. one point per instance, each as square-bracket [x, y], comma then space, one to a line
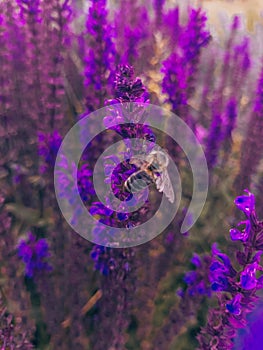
[127, 89]
[236, 289]
[222, 125]
[48, 147]
[252, 143]
[106, 260]
[56, 41]
[171, 27]
[34, 252]
[197, 280]
[158, 9]
[180, 67]
[30, 9]
[132, 32]
[85, 185]
[214, 140]
[224, 110]
[117, 265]
[100, 56]
[230, 117]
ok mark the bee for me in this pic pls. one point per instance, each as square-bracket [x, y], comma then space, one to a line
[152, 169]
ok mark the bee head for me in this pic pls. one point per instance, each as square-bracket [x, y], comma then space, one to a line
[160, 159]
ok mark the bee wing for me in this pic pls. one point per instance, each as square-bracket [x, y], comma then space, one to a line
[163, 184]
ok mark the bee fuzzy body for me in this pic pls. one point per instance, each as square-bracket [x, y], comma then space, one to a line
[138, 181]
[152, 169]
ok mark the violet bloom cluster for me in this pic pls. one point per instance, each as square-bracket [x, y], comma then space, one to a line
[48, 146]
[127, 89]
[251, 148]
[222, 125]
[224, 109]
[197, 280]
[107, 260]
[132, 31]
[236, 288]
[181, 65]
[30, 9]
[66, 185]
[100, 56]
[34, 253]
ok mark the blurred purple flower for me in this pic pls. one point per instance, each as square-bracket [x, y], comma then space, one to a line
[158, 9]
[98, 255]
[180, 67]
[222, 125]
[197, 280]
[251, 148]
[132, 31]
[214, 140]
[258, 107]
[230, 117]
[196, 260]
[108, 260]
[100, 56]
[34, 252]
[85, 184]
[30, 8]
[48, 146]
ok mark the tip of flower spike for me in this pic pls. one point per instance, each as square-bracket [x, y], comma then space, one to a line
[236, 22]
[126, 70]
[246, 203]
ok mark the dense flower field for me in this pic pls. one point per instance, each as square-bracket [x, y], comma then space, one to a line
[200, 289]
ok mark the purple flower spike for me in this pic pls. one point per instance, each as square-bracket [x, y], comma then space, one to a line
[246, 203]
[181, 66]
[100, 56]
[236, 289]
[197, 280]
[33, 252]
[48, 147]
[236, 23]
